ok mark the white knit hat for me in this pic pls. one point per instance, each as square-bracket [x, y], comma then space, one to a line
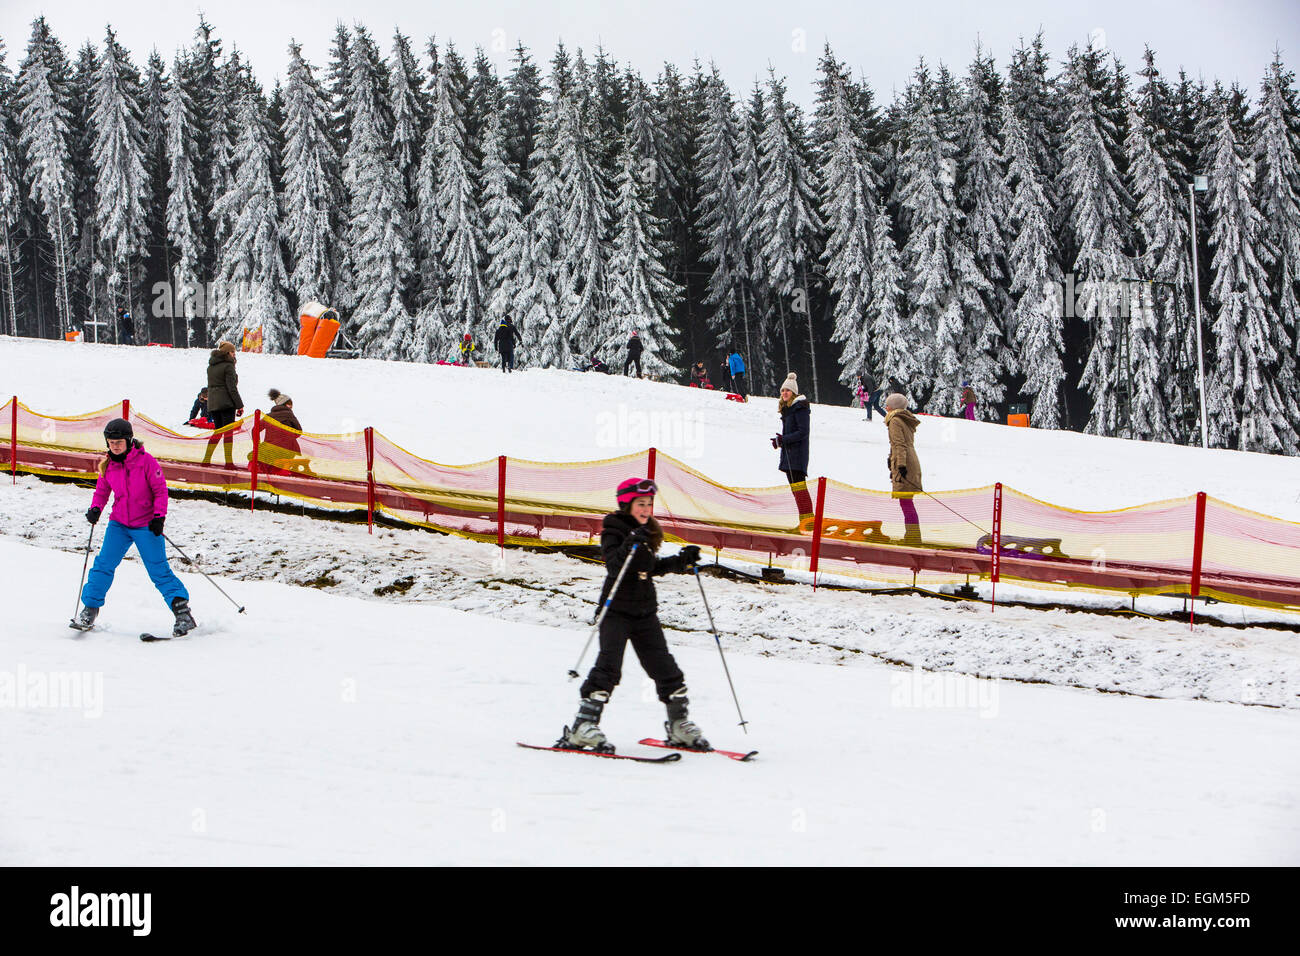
[791, 383]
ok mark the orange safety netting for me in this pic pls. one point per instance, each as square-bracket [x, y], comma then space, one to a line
[826, 526]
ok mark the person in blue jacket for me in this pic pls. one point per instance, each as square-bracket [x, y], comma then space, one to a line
[737, 366]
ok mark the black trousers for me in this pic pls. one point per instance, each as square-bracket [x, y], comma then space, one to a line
[738, 384]
[647, 637]
[633, 360]
[508, 360]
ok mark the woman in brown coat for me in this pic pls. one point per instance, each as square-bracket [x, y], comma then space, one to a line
[224, 403]
[904, 466]
[280, 451]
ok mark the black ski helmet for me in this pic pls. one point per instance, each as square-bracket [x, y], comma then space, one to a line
[118, 428]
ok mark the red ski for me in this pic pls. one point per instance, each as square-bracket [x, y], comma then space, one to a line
[733, 754]
[667, 758]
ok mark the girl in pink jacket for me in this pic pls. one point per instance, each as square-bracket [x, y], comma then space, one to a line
[139, 508]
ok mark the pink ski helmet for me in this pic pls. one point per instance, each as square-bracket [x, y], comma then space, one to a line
[634, 488]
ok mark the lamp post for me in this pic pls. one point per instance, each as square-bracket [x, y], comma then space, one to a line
[1199, 184]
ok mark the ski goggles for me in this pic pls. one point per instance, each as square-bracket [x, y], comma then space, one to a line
[636, 488]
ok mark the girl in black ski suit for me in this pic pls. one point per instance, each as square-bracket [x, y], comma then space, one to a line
[632, 617]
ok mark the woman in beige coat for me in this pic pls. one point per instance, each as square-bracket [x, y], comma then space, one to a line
[904, 466]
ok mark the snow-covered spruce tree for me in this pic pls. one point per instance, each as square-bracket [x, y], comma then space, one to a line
[461, 241]
[408, 115]
[10, 201]
[765, 368]
[848, 203]
[1099, 223]
[720, 214]
[1275, 147]
[1249, 406]
[537, 305]
[252, 275]
[582, 287]
[641, 293]
[893, 359]
[524, 105]
[645, 131]
[985, 204]
[183, 212]
[1035, 277]
[43, 120]
[379, 241]
[312, 197]
[786, 225]
[90, 296]
[1158, 182]
[153, 130]
[119, 177]
[504, 235]
[945, 287]
[1161, 255]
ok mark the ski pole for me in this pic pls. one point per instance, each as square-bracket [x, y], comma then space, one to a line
[601, 616]
[84, 564]
[188, 560]
[713, 627]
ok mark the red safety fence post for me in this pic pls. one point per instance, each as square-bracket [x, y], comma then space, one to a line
[252, 465]
[817, 528]
[126, 409]
[370, 480]
[997, 542]
[501, 502]
[13, 441]
[650, 465]
[1198, 548]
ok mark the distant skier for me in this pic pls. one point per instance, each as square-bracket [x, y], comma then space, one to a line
[793, 442]
[904, 465]
[968, 400]
[634, 349]
[737, 366]
[139, 508]
[632, 616]
[505, 343]
[467, 349]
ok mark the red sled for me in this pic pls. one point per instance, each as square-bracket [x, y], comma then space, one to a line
[733, 397]
[199, 423]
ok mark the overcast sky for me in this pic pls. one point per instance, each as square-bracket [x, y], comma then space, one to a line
[1227, 40]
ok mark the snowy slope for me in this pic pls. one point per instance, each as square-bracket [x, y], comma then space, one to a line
[365, 709]
[320, 730]
[457, 415]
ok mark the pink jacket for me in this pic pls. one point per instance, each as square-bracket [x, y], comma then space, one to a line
[138, 487]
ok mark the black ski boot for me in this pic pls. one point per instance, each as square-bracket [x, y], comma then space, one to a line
[586, 733]
[86, 619]
[184, 619]
[679, 729]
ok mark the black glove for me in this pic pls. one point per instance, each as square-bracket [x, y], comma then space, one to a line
[639, 536]
[155, 524]
[690, 556]
[902, 471]
[776, 441]
[92, 514]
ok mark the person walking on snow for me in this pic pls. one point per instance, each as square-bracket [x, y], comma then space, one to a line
[904, 465]
[634, 349]
[139, 508]
[505, 343]
[968, 400]
[632, 616]
[737, 366]
[793, 443]
[224, 403]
